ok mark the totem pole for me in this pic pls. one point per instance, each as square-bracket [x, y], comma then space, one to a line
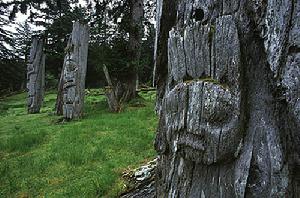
[70, 99]
[36, 75]
[229, 105]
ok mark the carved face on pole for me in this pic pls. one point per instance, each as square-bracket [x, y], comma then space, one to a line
[70, 84]
[202, 106]
[74, 71]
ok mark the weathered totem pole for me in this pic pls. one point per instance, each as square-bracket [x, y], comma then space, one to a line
[71, 91]
[229, 98]
[36, 75]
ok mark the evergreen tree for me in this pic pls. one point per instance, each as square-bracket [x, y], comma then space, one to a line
[5, 36]
[22, 40]
[110, 33]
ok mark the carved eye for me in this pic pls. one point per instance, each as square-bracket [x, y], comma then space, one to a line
[198, 14]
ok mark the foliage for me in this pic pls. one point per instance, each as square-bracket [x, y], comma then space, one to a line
[109, 21]
[5, 36]
[22, 40]
[110, 41]
[57, 35]
[40, 156]
[12, 73]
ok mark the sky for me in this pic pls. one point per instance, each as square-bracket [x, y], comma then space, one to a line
[21, 18]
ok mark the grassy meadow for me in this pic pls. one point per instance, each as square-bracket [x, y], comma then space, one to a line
[41, 156]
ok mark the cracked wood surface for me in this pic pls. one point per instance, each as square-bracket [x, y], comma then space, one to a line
[230, 107]
[70, 100]
[36, 75]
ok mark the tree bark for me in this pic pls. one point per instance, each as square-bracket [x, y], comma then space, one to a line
[129, 83]
[71, 93]
[36, 76]
[230, 109]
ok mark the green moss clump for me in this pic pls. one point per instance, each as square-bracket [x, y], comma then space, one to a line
[207, 79]
[211, 33]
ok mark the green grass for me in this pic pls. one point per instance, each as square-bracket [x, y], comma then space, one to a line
[42, 157]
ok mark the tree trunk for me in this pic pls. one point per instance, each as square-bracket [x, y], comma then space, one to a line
[230, 109]
[135, 39]
[36, 75]
[72, 83]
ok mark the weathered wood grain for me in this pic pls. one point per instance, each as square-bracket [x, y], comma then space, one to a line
[230, 103]
[36, 75]
[72, 83]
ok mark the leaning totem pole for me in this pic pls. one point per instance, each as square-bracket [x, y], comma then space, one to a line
[71, 91]
[228, 76]
[36, 75]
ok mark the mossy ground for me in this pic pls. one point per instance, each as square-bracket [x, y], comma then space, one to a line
[42, 157]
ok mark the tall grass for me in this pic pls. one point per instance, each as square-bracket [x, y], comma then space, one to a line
[40, 156]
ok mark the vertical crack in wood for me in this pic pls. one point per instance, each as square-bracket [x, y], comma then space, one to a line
[36, 75]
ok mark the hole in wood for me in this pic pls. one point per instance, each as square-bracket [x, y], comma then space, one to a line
[198, 14]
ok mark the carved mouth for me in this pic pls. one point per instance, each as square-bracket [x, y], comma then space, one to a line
[193, 141]
[191, 147]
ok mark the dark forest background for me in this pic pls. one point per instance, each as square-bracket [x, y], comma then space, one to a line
[110, 27]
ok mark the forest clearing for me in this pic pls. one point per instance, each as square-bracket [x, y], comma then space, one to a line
[150, 98]
[41, 156]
